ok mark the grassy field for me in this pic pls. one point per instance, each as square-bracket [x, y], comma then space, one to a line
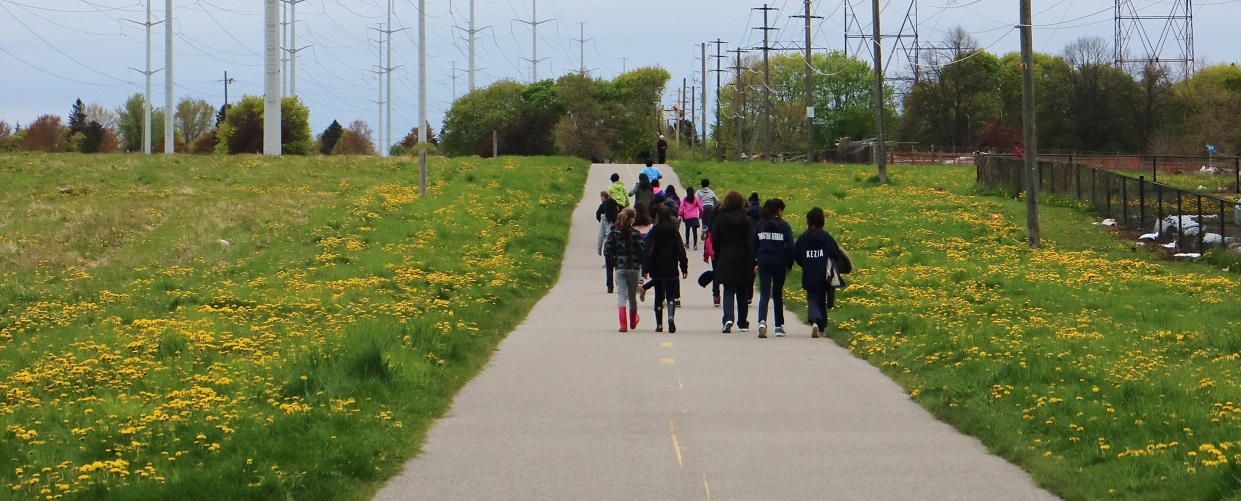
[1102, 370]
[253, 328]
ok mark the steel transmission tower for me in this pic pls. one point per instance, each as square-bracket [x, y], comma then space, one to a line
[904, 43]
[1173, 43]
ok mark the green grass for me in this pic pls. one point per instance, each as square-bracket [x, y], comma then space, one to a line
[142, 357]
[1094, 365]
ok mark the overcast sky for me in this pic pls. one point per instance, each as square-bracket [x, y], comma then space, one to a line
[55, 51]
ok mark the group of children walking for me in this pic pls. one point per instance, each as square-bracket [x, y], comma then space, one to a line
[744, 242]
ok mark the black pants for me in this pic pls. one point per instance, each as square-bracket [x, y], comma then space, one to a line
[666, 290]
[610, 270]
[662, 156]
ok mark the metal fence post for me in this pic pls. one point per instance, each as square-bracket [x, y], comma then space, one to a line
[1237, 173]
[1202, 227]
[1155, 169]
[1159, 210]
[1223, 223]
[1180, 220]
[1077, 177]
[1094, 188]
[1108, 177]
[1124, 199]
[1141, 201]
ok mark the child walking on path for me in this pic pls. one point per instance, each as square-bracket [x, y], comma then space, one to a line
[606, 215]
[774, 250]
[666, 254]
[690, 212]
[734, 261]
[816, 249]
[708, 199]
[624, 251]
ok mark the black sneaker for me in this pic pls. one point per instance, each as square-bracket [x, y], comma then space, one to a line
[728, 327]
[659, 328]
[672, 326]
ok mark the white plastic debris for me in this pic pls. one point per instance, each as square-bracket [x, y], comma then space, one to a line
[1193, 255]
[1108, 222]
[1169, 245]
[224, 242]
[1149, 236]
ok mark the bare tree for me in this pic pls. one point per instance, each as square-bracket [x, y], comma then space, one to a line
[193, 117]
[106, 117]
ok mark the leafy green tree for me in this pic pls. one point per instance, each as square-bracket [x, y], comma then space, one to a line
[1102, 99]
[242, 130]
[633, 98]
[193, 117]
[1208, 104]
[129, 122]
[329, 137]
[585, 131]
[469, 123]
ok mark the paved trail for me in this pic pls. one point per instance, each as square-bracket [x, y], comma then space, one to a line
[568, 408]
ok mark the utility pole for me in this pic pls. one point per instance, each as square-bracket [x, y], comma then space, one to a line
[1027, 123]
[704, 102]
[739, 104]
[146, 100]
[534, 29]
[881, 158]
[226, 82]
[809, 88]
[284, 47]
[582, 41]
[422, 97]
[385, 130]
[472, 36]
[693, 109]
[271, 80]
[681, 110]
[767, 81]
[624, 64]
[719, 153]
[292, 48]
[169, 137]
[379, 74]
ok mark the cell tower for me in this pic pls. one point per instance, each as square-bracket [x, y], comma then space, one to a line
[1172, 43]
[903, 44]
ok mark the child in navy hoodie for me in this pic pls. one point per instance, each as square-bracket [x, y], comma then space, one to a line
[815, 249]
[772, 243]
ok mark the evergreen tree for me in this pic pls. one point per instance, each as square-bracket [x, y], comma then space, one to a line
[77, 118]
[327, 140]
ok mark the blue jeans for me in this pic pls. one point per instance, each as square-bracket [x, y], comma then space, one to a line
[771, 286]
[736, 295]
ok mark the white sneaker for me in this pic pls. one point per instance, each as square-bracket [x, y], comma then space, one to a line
[814, 331]
[779, 331]
[728, 327]
[762, 329]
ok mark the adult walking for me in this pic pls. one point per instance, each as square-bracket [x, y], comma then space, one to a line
[624, 251]
[734, 260]
[662, 147]
[822, 261]
[774, 250]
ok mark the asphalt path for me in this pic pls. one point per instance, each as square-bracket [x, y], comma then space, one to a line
[569, 408]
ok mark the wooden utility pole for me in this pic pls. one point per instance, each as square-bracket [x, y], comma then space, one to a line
[809, 88]
[704, 101]
[1027, 122]
[739, 104]
[719, 153]
[881, 157]
[767, 81]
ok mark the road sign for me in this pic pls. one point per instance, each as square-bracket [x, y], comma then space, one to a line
[1210, 148]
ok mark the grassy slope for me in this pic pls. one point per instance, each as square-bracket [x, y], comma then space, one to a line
[1098, 368]
[143, 357]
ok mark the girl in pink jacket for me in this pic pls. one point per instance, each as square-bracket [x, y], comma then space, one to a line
[690, 211]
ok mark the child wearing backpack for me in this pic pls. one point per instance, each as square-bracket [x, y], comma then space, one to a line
[822, 262]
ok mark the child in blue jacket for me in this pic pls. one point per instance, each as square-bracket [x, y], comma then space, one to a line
[815, 250]
[772, 243]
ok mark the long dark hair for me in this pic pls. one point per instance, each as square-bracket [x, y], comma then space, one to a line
[642, 215]
[771, 209]
[610, 210]
[689, 195]
[670, 191]
[644, 182]
[667, 218]
[815, 219]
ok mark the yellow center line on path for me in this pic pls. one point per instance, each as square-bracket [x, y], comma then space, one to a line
[667, 361]
[672, 428]
[706, 486]
[665, 345]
